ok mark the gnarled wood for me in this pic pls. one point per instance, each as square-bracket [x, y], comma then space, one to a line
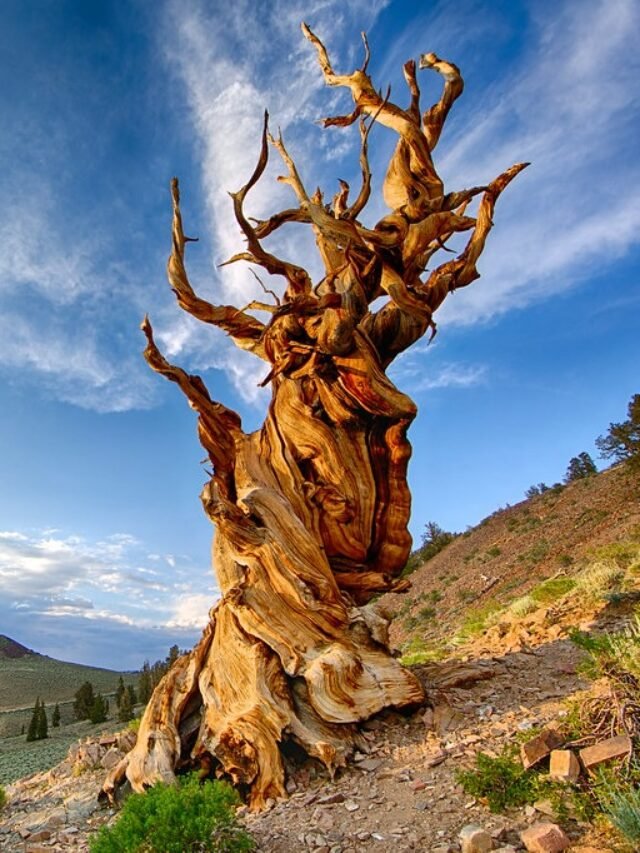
[311, 511]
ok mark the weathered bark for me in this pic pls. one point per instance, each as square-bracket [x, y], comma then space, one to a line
[311, 511]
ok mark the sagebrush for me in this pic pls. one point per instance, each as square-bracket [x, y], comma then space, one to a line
[186, 817]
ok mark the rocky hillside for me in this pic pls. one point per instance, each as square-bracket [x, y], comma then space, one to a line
[10, 649]
[508, 555]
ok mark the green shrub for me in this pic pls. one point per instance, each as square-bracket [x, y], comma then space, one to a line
[551, 590]
[502, 781]
[493, 552]
[476, 621]
[416, 651]
[620, 801]
[3, 797]
[188, 816]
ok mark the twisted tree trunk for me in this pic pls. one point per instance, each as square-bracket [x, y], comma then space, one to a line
[311, 511]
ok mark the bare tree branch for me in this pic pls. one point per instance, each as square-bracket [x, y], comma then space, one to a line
[218, 427]
[245, 330]
[434, 118]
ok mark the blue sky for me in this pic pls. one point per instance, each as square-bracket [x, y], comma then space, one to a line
[104, 549]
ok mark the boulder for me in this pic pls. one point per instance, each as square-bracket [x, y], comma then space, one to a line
[564, 766]
[475, 839]
[545, 838]
[606, 750]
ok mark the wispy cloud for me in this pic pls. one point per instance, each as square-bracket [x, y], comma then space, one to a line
[569, 108]
[54, 576]
[413, 374]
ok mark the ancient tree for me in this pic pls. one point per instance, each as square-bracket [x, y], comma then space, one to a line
[311, 510]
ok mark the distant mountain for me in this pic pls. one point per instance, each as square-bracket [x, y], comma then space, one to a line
[11, 649]
[26, 674]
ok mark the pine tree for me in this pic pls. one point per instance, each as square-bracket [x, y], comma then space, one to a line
[125, 709]
[622, 441]
[119, 691]
[55, 716]
[84, 700]
[99, 709]
[43, 723]
[132, 694]
[32, 731]
[145, 688]
[580, 466]
[172, 657]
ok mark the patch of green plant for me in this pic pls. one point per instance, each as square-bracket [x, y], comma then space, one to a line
[411, 622]
[426, 614]
[434, 596]
[591, 516]
[416, 651]
[493, 552]
[599, 579]
[624, 648]
[536, 553]
[188, 816]
[611, 654]
[625, 554]
[466, 595]
[476, 620]
[522, 606]
[551, 590]
[565, 560]
[134, 724]
[413, 563]
[3, 797]
[501, 781]
[619, 799]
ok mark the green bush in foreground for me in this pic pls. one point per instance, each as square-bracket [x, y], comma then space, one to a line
[502, 781]
[621, 804]
[3, 797]
[183, 818]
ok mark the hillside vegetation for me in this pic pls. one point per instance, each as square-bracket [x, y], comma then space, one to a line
[25, 675]
[549, 538]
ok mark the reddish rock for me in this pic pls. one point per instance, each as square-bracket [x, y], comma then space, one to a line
[613, 747]
[564, 766]
[539, 747]
[545, 838]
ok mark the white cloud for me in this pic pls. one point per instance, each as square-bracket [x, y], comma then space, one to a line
[191, 611]
[410, 373]
[569, 109]
[38, 255]
[61, 576]
[68, 363]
